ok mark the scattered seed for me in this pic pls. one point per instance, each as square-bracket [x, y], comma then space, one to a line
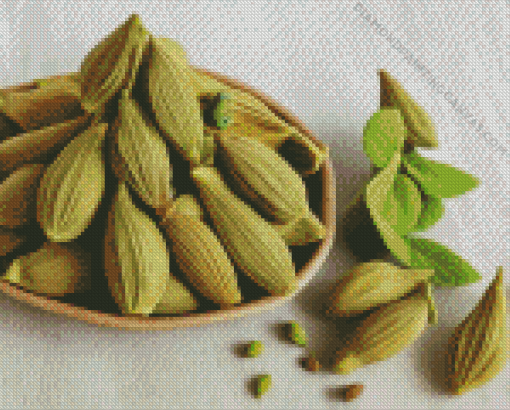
[352, 391]
[254, 349]
[264, 383]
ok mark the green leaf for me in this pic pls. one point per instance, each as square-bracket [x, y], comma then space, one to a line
[376, 196]
[436, 179]
[405, 201]
[396, 200]
[383, 135]
[450, 268]
[432, 210]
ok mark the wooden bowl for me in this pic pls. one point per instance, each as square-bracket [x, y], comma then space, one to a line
[308, 258]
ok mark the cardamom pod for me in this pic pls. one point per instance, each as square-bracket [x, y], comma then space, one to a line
[264, 383]
[373, 283]
[477, 350]
[271, 183]
[18, 196]
[251, 242]
[42, 107]
[265, 177]
[144, 155]
[175, 105]
[385, 332]
[39, 145]
[112, 64]
[200, 254]
[10, 240]
[251, 118]
[55, 269]
[296, 334]
[421, 129]
[73, 186]
[137, 262]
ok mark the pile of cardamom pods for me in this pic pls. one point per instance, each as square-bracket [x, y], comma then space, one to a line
[226, 203]
[398, 305]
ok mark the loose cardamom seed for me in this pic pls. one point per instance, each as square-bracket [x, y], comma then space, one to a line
[200, 254]
[251, 242]
[145, 159]
[296, 334]
[477, 350]
[374, 283]
[175, 105]
[385, 332]
[312, 363]
[55, 269]
[39, 145]
[73, 186]
[264, 383]
[112, 64]
[352, 392]
[254, 349]
[18, 196]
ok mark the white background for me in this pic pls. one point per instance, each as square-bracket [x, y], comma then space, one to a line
[321, 61]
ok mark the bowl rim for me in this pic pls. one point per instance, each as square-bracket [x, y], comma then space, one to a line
[304, 275]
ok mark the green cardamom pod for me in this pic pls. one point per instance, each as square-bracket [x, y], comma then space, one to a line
[251, 242]
[477, 351]
[251, 118]
[56, 269]
[145, 160]
[112, 64]
[175, 105]
[372, 284]
[385, 332]
[39, 145]
[271, 183]
[42, 107]
[73, 186]
[200, 254]
[137, 262]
